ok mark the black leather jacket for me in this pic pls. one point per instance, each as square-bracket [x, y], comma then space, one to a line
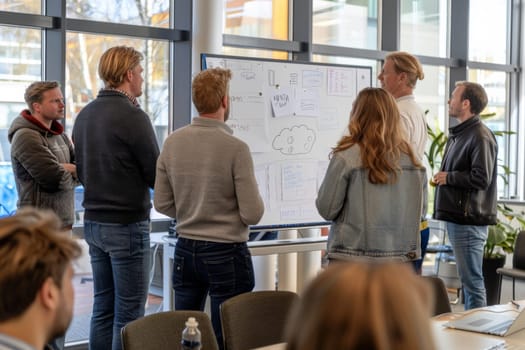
[470, 195]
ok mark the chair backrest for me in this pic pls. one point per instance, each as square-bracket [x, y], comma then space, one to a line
[518, 260]
[441, 301]
[163, 330]
[255, 319]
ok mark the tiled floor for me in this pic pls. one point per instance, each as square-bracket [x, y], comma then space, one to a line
[79, 329]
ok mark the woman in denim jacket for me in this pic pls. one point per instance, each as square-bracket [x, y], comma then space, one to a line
[372, 190]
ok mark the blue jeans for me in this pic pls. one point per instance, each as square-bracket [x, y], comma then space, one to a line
[425, 235]
[467, 242]
[121, 263]
[223, 270]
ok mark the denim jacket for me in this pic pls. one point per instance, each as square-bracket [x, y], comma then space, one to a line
[371, 220]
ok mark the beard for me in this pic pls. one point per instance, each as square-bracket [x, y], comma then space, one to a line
[227, 113]
[61, 322]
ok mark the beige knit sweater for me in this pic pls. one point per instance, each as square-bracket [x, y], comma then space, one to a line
[205, 180]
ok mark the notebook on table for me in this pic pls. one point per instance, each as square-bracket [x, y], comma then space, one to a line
[500, 323]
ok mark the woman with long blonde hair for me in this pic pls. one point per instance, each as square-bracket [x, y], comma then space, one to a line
[363, 305]
[372, 190]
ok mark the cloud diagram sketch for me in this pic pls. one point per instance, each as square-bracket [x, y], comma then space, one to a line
[299, 139]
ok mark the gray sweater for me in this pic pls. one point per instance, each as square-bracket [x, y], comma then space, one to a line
[205, 180]
[36, 156]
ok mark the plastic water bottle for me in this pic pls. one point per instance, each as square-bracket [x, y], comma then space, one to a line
[191, 336]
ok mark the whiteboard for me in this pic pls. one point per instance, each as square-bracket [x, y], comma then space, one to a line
[290, 114]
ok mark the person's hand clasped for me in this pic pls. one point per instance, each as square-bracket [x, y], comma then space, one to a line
[439, 179]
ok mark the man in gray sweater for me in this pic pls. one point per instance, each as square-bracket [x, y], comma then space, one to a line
[205, 180]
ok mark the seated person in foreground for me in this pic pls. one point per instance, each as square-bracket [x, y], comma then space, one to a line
[363, 305]
[36, 274]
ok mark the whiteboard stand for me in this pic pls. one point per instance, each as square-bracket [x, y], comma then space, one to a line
[308, 263]
[287, 265]
[265, 269]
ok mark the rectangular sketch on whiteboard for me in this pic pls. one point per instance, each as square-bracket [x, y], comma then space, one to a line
[290, 114]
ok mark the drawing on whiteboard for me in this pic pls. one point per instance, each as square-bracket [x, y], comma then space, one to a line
[312, 78]
[247, 75]
[271, 77]
[282, 102]
[293, 78]
[299, 139]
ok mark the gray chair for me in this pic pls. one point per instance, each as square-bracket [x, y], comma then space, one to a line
[518, 265]
[441, 300]
[163, 330]
[255, 319]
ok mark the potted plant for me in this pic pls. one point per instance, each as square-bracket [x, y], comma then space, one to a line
[500, 242]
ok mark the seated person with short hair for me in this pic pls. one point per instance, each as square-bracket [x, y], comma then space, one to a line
[36, 272]
[363, 305]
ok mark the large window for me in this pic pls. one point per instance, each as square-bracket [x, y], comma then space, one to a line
[25, 6]
[495, 84]
[492, 64]
[424, 27]
[237, 51]
[257, 18]
[139, 12]
[33, 47]
[82, 56]
[351, 23]
[20, 64]
[488, 31]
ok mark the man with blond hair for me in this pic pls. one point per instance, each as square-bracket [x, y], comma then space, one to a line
[205, 180]
[36, 273]
[399, 77]
[116, 154]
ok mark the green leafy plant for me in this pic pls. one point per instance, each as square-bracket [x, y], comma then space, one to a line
[502, 236]
[434, 154]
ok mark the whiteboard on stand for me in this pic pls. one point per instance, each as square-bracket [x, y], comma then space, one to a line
[290, 114]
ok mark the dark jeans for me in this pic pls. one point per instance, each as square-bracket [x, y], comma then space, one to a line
[418, 264]
[121, 262]
[221, 269]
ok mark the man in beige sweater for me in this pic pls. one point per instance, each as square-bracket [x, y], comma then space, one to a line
[205, 180]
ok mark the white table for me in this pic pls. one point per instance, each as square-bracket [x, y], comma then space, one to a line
[447, 338]
[258, 248]
[451, 339]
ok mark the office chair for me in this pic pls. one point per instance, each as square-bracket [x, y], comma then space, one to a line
[441, 301]
[255, 319]
[518, 265]
[163, 330]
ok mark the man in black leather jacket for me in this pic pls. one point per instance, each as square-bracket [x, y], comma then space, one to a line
[466, 193]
